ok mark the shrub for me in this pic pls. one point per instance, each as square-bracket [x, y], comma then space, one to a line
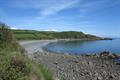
[6, 36]
[14, 65]
[14, 68]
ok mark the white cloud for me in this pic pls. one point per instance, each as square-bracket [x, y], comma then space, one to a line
[50, 29]
[13, 28]
[58, 6]
[49, 7]
[45, 7]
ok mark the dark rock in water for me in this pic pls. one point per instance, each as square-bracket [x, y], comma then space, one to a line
[114, 56]
[117, 61]
[108, 55]
[104, 54]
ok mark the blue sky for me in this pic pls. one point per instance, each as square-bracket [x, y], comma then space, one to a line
[99, 17]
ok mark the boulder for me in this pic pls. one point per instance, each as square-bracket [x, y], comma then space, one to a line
[113, 56]
[108, 55]
[105, 54]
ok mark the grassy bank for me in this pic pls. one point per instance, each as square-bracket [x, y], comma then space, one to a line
[14, 64]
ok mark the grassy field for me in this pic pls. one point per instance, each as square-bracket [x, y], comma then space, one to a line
[14, 64]
[32, 34]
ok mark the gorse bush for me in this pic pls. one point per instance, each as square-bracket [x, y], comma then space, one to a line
[6, 36]
[13, 68]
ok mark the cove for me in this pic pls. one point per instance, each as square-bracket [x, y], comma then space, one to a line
[84, 46]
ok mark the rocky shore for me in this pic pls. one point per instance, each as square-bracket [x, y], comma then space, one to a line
[82, 67]
[78, 67]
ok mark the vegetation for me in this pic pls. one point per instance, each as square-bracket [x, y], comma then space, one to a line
[32, 34]
[14, 64]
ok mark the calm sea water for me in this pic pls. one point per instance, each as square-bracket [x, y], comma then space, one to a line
[84, 47]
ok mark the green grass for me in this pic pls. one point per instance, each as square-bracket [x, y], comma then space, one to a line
[41, 71]
[14, 64]
[32, 34]
[25, 36]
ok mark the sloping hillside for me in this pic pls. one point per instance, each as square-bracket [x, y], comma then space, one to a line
[32, 34]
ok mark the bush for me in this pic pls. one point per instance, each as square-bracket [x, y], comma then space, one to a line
[6, 36]
[14, 65]
[14, 68]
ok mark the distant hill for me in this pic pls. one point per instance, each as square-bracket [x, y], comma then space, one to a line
[32, 34]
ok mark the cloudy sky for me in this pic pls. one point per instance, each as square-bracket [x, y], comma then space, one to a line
[99, 17]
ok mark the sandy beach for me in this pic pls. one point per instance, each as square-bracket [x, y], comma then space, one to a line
[34, 46]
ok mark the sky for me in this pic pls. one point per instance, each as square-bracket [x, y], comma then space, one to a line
[98, 17]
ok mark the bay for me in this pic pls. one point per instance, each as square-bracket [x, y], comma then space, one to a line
[84, 47]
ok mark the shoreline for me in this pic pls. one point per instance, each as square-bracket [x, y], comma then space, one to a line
[72, 67]
[33, 46]
[79, 67]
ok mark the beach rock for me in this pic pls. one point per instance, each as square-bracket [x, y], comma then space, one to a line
[81, 67]
[113, 56]
[56, 63]
[104, 54]
[90, 63]
[75, 61]
[82, 74]
[111, 76]
[96, 74]
[104, 72]
[89, 73]
[99, 78]
[108, 55]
